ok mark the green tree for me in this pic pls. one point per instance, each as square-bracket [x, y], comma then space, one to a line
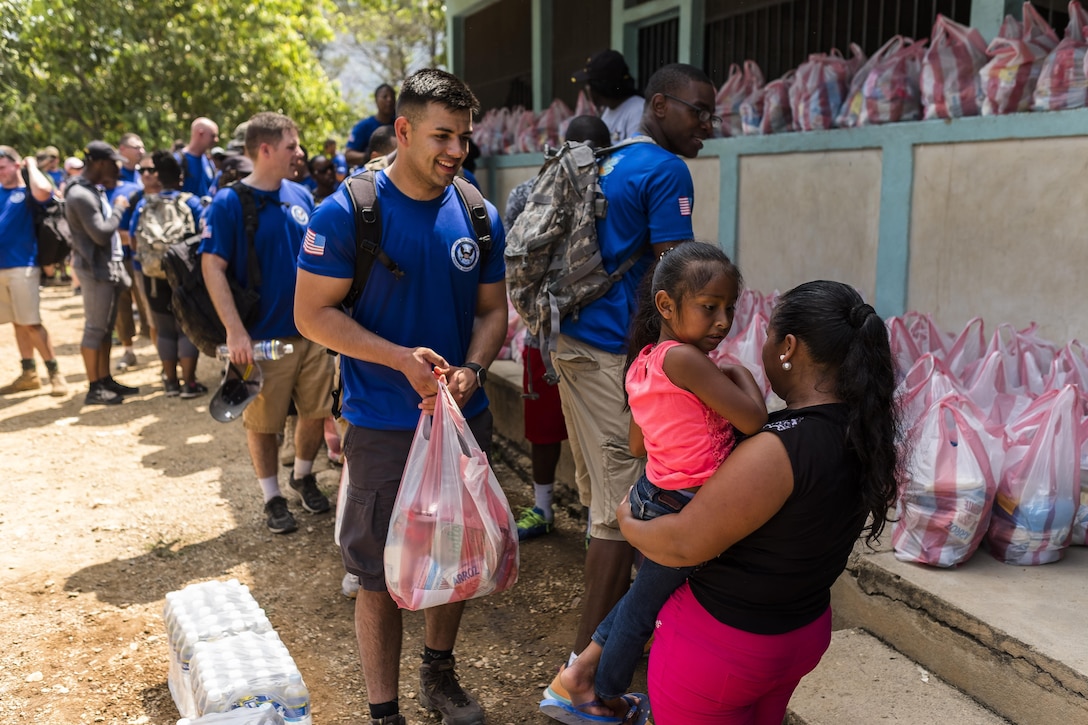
[85, 69]
[396, 37]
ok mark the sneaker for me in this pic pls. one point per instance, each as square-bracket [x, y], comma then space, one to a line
[110, 384]
[350, 586]
[172, 388]
[27, 380]
[307, 492]
[397, 719]
[58, 386]
[440, 691]
[99, 394]
[287, 449]
[532, 524]
[193, 389]
[128, 360]
[280, 520]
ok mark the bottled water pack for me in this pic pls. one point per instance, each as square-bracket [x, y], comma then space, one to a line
[225, 655]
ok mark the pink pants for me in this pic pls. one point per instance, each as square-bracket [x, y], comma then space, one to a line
[702, 671]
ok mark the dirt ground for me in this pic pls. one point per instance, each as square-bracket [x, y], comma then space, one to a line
[106, 509]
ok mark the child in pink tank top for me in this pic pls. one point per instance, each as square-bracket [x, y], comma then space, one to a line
[684, 410]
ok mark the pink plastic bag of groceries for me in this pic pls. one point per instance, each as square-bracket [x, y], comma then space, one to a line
[1062, 82]
[891, 91]
[767, 110]
[452, 536]
[944, 508]
[740, 84]
[1017, 55]
[1039, 491]
[819, 90]
[851, 107]
[950, 81]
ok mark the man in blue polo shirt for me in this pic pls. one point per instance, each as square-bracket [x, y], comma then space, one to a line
[19, 300]
[197, 168]
[650, 196]
[283, 213]
[446, 314]
[385, 99]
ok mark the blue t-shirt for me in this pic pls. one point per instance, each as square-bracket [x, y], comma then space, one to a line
[199, 173]
[359, 138]
[433, 305]
[132, 175]
[57, 175]
[650, 199]
[125, 189]
[18, 245]
[340, 163]
[282, 218]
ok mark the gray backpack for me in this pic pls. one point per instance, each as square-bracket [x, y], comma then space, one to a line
[553, 262]
[163, 222]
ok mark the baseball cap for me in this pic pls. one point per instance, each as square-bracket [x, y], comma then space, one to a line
[219, 151]
[101, 151]
[73, 162]
[238, 389]
[607, 68]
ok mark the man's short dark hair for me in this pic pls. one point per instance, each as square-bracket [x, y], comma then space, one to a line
[167, 169]
[382, 141]
[266, 127]
[674, 78]
[432, 85]
[590, 129]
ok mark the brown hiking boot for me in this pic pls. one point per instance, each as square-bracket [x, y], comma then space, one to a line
[58, 386]
[28, 380]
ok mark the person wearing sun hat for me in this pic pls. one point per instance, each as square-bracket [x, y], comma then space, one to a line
[613, 91]
[99, 258]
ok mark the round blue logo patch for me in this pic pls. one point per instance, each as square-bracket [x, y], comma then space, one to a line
[17, 197]
[465, 254]
[300, 215]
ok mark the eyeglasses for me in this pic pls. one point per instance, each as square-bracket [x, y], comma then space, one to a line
[702, 114]
[146, 169]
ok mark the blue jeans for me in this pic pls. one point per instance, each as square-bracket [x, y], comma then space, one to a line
[624, 632]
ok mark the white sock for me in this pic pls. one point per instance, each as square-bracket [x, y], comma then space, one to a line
[302, 468]
[271, 487]
[542, 495]
[128, 348]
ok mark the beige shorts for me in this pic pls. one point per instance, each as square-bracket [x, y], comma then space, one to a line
[19, 297]
[598, 424]
[305, 375]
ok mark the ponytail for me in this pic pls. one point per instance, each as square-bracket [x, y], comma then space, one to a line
[848, 338]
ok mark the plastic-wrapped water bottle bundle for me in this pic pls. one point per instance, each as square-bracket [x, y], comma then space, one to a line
[225, 655]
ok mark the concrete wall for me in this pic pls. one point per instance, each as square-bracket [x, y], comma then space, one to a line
[1000, 229]
[809, 216]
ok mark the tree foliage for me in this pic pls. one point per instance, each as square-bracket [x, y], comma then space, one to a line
[396, 37]
[76, 70]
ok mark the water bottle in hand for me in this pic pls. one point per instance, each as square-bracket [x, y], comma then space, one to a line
[262, 350]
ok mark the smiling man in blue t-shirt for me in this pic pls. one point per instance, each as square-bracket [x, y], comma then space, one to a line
[283, 212]
[447, 314]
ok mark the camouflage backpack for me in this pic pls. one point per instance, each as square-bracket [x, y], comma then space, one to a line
[553, 261]
[163, 223]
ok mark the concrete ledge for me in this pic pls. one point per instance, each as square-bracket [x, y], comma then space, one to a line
[861, 680]
[1011, 637]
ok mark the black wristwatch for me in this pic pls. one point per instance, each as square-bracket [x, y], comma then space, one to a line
[480, 370]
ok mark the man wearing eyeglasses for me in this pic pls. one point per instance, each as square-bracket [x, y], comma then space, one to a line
[650, 197]
[19, 294]
[132, 148]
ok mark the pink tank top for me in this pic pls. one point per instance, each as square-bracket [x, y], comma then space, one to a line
[685, 440]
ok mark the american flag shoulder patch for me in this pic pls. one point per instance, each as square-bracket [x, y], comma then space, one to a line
[685, 206]
[313, 243]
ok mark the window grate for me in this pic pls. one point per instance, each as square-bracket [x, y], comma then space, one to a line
[658, 45]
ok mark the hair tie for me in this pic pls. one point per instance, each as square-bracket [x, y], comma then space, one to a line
[859, 314]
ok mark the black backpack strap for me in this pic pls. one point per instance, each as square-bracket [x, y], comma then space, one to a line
[368, 235]
[477, 214]
[250, 220]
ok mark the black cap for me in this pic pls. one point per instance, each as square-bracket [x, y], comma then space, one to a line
[607, 70]
[101, 151]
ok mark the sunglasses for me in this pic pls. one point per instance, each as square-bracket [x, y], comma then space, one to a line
[146, 169]
[702, 114]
